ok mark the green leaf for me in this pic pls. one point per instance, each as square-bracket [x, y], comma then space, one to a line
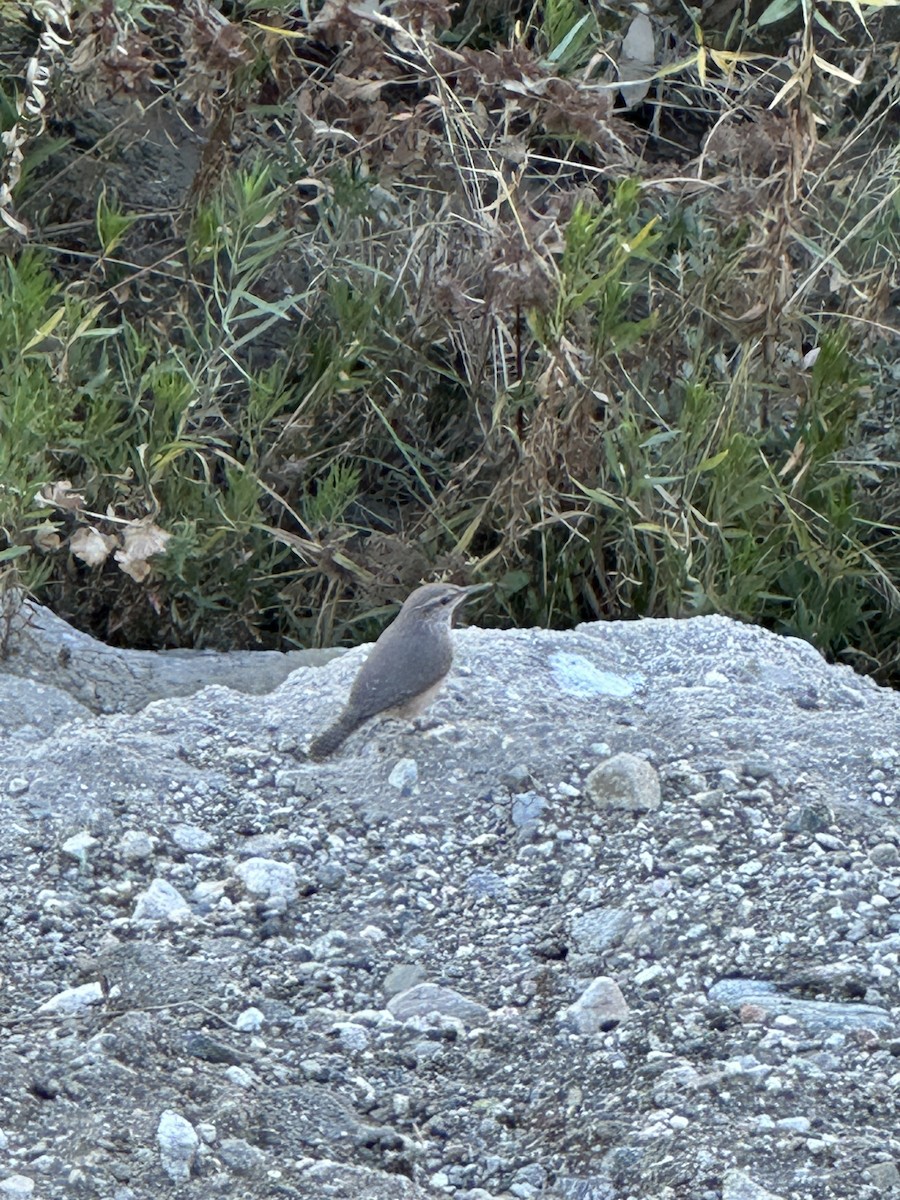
[710, 464]
[777, 11]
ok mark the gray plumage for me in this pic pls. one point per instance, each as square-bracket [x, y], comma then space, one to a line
[406, 666]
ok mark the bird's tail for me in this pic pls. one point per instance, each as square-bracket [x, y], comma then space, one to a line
[334, 736]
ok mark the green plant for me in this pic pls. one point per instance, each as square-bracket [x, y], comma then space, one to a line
[112, 223]
[462, 288]
[703, 516]
[606, 253]
[569, 30]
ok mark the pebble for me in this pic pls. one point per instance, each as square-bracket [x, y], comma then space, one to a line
[178, 1143]
[527, 809]
[251, 1020]
[135, 845]
[268, 879]
[404, 775]
[161, 902]
[192, 839]
[402, 977]
[16, 1187]
[624, 782]
[73, 1001]
[80, 845]
[427, 998]
[600, 1006]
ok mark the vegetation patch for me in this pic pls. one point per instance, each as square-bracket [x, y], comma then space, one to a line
[301, 306]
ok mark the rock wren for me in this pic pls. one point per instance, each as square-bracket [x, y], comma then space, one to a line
[406, 666]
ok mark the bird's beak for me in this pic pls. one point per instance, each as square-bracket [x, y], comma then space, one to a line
[472, 590]
[464, 594]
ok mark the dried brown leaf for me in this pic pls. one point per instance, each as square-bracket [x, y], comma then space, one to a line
[92, 546]
[60, 494]
[141, 540]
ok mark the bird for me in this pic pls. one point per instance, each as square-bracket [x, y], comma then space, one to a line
[406, 666]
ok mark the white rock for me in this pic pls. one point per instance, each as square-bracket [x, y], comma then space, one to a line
[80, 845]
[17, 1187]
[268, 879]
[73, 1000]
[239, 1077]
[250, 1021]
[192, 839]
[161, 902]
[405, 774]
[178, 1142]
[135, 845]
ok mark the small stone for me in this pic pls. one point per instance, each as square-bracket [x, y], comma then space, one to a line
[600, 929]
[192, 839]
[592, 1187]
[201, 1045]
[239, 1077]
[750, 868]
[648, 974]
[17, 786]
[404, 775]
[738, 1186]
[135, 845]
[427, 998]
[601, 1006]
[759, 766]
[16, 1187]
[624, 783]
[402, 977]
[330, 875]
[240, 1156]
[577, 676]
[161, 902]
[787, 1012]
[527, 809]
[794, 1124]
[268, 879]
[532, 1174]
[484, 882]
[810, 818]
[829, 842]
[884, 1175]
[178, 1142]
[353, 1038]
[79, 846]
[251, 1020]
[517, 778]
[73, 1001]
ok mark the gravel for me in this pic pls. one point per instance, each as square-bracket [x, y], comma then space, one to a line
[623, 921]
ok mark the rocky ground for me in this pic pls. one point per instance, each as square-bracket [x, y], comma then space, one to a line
[623, 922]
